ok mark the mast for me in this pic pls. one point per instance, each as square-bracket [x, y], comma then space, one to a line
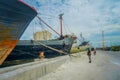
[61, 24]
[103, 46]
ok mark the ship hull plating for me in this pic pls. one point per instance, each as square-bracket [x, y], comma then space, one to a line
[27, 49]
[14, 19]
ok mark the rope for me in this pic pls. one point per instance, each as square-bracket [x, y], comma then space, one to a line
[52, 48]
[67, 26]
[47, 25]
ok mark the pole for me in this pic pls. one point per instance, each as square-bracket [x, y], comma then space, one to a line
[61, 24]
[103, 46]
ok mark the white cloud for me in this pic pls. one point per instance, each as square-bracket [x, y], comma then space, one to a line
[87, 16]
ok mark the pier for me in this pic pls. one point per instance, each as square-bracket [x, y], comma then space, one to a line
[33, 70]
[59, 40]
[105, 66]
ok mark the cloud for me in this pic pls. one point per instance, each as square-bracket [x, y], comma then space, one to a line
[87, 16]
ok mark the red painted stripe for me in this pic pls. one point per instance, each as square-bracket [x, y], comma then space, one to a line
[27, 5]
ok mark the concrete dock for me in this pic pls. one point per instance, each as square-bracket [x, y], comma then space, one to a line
[105, 66]
[33, 70]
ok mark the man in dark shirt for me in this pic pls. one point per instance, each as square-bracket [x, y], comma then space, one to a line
[89, 55]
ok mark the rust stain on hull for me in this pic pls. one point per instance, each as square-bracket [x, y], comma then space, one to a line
[6, 47]
[14, 20]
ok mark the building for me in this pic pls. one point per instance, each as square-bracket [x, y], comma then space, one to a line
[43, 35]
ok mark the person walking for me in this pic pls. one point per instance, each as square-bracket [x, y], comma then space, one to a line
[94, 52]
[63, 45]
[89, 55]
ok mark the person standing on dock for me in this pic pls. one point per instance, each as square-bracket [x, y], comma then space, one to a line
[94, 52]
[89, 54]
[63, 45]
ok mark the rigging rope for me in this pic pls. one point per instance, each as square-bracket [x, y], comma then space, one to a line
[47, 25]
[67, 27]
[41, 25]
[43, 28]
[60, 51]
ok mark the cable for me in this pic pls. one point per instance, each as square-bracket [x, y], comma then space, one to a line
[51, 48]
[47, 25]
[47, 15]
[67, 27]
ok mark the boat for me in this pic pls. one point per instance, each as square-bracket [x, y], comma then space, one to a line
[30, 49]
[83, 41]
[14, 19]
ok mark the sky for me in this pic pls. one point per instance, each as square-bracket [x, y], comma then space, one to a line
[89, 17]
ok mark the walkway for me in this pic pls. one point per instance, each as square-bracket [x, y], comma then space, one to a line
[78, 68]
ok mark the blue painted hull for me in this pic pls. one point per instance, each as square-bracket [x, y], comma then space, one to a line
[27, 49]
[14, 19]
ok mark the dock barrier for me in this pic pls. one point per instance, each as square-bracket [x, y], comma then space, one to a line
[33, 70]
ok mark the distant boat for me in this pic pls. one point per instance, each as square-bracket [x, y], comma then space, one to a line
[83, 41]
[15, 16]
[29, 49]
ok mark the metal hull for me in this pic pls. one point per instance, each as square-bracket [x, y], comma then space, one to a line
[14, 19]
[27, 49]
